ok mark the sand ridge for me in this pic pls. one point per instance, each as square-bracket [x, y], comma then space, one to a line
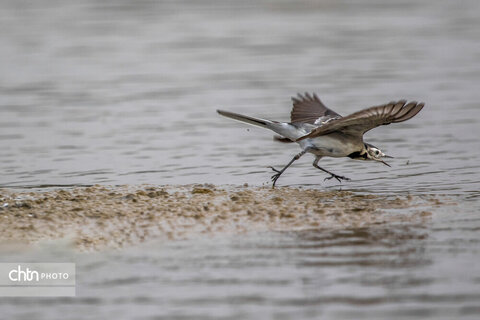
[111, 217]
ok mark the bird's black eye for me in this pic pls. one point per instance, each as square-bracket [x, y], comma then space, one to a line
[377, 152]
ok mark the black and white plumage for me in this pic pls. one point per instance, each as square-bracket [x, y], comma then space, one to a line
[325, 133]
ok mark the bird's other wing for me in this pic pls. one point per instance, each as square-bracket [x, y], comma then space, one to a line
[362, 121]
[308, 109]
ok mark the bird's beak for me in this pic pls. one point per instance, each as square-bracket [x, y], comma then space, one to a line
[390, 157]
[384, 163]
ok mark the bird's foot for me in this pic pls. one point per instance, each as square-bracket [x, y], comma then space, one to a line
[339, 178]
[275, 176]
[277, 171]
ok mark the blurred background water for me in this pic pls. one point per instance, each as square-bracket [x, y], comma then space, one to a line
[122, 92]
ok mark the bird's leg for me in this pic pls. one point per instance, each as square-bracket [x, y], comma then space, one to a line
[332, 175]
[279, 172]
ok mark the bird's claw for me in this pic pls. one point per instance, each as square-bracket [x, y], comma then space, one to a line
[277, 171]
[339, 178]
[275, 177]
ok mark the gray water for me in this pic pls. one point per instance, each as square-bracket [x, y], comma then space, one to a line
[122, 92]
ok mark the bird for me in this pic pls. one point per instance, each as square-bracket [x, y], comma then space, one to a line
[325, 133]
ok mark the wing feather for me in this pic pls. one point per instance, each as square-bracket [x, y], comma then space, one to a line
[308, 108]
[410, 114]
[362, 121]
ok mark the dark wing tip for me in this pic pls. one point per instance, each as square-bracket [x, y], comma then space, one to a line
[298, 99]
[408, 111]
[305, 97]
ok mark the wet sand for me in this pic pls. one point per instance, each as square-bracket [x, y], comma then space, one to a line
[100, 217]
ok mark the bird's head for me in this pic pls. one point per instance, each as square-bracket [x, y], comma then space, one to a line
[370, 152]
[374, 153]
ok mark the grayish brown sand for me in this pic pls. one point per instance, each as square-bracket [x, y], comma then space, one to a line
[99, 217]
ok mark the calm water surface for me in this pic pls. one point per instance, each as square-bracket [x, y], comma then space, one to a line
[116, 92]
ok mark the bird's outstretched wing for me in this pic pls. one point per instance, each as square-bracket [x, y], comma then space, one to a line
[308, 109]
[362, 121]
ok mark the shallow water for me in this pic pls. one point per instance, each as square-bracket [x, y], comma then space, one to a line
[426, 270]
[121, 93]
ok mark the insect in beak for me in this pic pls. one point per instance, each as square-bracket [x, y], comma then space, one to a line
[385, 162]
[390, 157]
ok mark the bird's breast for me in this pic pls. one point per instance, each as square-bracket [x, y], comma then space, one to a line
[333, 145]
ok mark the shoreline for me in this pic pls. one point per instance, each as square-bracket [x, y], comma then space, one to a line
[100, 217]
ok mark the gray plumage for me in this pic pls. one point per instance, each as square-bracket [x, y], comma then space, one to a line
[323, 132]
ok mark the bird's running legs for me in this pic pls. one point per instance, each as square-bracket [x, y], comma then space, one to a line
[279, 172]
[332, 175]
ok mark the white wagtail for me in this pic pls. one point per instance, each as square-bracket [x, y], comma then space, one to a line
[325, 133]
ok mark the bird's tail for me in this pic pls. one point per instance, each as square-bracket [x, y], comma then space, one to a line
[286, 130]
[250, 120]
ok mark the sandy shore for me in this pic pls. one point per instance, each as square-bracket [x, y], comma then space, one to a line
[99, 217]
